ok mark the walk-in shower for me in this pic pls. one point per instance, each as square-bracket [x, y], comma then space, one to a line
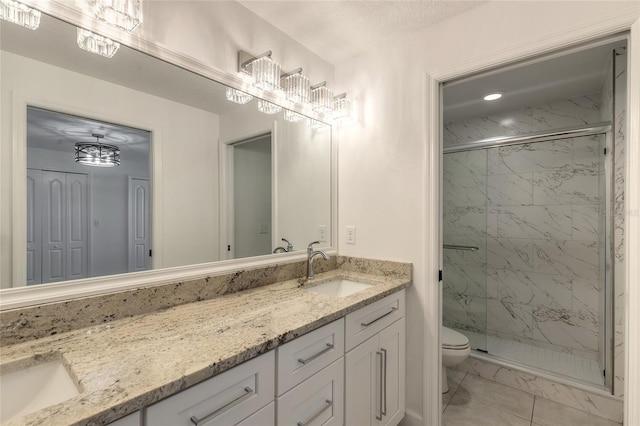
[530, 240]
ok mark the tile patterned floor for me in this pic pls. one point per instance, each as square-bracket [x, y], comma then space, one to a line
[474, 401]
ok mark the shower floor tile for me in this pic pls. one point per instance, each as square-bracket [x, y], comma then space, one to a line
[569, 365]
[576, 367]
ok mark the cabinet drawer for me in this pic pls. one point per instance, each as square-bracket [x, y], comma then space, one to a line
[308, 354]
[265, 417]
[366, 322]
[222, 400]
[319, 400]
[130, 420]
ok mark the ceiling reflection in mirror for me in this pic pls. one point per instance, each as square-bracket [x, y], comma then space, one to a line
[201, 179]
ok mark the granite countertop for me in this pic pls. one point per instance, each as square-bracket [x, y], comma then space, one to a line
[131, 363]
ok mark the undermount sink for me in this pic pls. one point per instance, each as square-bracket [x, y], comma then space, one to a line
[34, 388]
[339, 288]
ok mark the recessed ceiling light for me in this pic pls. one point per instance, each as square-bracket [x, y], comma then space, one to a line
[492, 96]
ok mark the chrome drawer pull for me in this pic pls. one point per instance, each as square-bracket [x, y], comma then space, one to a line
[384, 382]
[367, 324]
[312, 357]
[316, 415]
[379, 417]
[247, 393]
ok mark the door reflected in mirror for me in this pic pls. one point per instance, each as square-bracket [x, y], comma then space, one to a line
[184, 210]
[85, 220]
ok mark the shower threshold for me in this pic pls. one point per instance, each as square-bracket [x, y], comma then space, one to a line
[572, 368]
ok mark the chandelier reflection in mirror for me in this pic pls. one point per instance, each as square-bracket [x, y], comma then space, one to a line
[97, 154]
[124, 14]
[20, 14]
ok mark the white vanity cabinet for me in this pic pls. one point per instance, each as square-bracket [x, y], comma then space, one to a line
[375, 363]
[231, 398]
[132, 419]
[311, 378]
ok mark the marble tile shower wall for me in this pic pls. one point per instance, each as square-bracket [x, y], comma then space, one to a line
[620, 128]
[533, 212]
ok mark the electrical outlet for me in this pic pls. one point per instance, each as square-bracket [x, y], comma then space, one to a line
[322, 233]
[264, 228]
[351, 234]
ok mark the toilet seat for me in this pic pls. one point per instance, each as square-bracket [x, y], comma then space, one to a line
[453, 340]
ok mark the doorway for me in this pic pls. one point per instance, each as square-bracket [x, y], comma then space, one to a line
[85, 221]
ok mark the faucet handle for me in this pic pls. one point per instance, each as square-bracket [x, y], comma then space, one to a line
[310, 246]
[289, 245]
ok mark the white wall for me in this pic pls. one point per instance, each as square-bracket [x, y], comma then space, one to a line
[186, 137]
[302, 172]
[383, 158]
[108, 197]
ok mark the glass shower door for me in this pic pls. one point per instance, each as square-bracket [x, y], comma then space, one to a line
[464, 245]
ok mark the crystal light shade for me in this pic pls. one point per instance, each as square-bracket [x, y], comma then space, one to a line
[124, 14]
[266, 74]
[96, 43]
[20, 14]
[342, 108]
[315, 124]
[97, 154]
[322, 99]
[268, 107]
[238, 96]
[297, 88]
[293, 117]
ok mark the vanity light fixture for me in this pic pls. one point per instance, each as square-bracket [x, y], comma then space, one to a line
[342, 108]
[96, 43]
[493, 96]
[264, 71]
[124, 14]
[296, 86]
[21, 14]
[238, 96]
[321, 98]
[97, 154]
[268, 107]
[292, 116]
[316, 125]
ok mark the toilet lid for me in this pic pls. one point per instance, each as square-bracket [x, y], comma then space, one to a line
[453, 339]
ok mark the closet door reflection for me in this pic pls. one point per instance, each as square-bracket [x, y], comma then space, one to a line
[57, 230]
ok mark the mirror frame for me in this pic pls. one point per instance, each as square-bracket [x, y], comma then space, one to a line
[17, 297]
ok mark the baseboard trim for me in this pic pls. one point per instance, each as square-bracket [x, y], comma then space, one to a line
[411, 418]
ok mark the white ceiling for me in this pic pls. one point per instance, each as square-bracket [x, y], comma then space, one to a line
[339, 30]
[561, 77]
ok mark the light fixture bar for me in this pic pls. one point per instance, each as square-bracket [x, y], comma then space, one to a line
[290, 73]
[246, 59]
[316, 86]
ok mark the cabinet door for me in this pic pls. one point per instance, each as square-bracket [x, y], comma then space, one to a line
[362, 384]
[391, 344]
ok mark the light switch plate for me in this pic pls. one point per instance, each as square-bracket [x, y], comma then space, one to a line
[322, 233]
[351, 234]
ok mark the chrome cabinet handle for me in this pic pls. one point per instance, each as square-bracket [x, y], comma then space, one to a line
[367, 324]
[312, 357]
[384, 386]
[247, 393]
[379, 417]
[316, 415]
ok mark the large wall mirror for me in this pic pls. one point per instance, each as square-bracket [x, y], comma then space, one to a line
[201, 179]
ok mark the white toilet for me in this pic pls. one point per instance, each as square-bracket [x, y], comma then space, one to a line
[455, 349]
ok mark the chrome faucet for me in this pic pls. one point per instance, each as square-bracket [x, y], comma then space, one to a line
[310, 255]
[281, 249]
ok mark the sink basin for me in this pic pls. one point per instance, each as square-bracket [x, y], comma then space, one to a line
[33, 388]
[339, 288]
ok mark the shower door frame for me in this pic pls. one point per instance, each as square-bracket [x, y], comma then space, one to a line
[431, 293]
[603, 129]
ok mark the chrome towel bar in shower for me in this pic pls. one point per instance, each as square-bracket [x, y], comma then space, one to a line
[453, 247]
